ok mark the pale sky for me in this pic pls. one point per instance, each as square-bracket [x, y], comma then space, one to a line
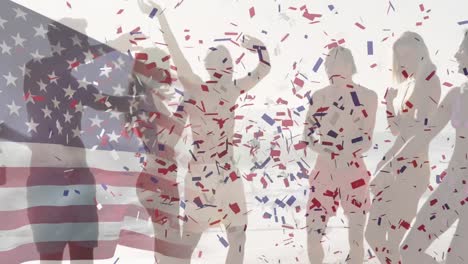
[209, 19]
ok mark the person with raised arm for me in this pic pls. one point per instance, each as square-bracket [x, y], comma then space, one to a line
[214, 191]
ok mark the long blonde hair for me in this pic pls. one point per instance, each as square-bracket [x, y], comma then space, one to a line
[416, 43]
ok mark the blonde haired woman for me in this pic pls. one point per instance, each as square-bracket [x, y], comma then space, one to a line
[399, 185]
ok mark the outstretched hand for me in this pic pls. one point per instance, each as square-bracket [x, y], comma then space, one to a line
[124, 42]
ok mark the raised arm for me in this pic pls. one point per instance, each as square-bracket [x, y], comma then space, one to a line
[185, 72]
[263, 67]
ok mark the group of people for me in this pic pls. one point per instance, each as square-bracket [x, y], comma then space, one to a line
[339, 126]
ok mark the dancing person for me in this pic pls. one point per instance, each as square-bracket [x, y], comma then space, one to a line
[214, 191]
[339, 127]
[399, 185]
[448, 202]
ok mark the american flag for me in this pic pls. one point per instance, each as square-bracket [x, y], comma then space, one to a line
[70, 167]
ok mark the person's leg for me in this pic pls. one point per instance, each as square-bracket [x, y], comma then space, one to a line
[80, 253]
[230, 196]
[377, 227]
[433, 219]
[46, 257]
[458, 253]
[236, 238]
[190, 239]
[412, 183]
[406, 207]
[316, 226]
[357, 221]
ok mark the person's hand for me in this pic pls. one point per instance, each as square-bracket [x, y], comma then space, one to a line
[248, 42]
[391, 94]
[124, 42]
[146, 6]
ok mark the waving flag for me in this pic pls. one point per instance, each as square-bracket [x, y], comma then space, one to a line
[70, 167]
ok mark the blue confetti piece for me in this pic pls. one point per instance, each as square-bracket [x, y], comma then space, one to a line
[265, 199]
[153, 12]
[154, 179]
[223, 39]
[331, 7]
[258, 199]
[300, 108]
[370, 48]
[317, 64]
[268, 119]
[65, 193]
[280, 203]
[77, 192]
[161, 147]
[223, 241]
[463, 22]
[179, 92]
[291, 200]
[126, 168]
[355, 140]
[355, 99]
[182, 205]
[402, 169]
[332, 134]
[104, 186]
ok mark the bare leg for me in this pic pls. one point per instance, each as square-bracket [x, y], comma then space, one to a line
[458, 252]
[431, 222]
[191, 239]
[46, 258]
[376, 230]
[84, 254]
[316, 231]
[236, 238]
[357, 222]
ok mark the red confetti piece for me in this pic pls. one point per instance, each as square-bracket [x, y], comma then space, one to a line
[252, 12]
[358, 183]
[359, 25]
[430, 76]
[299, 82]
[235, 208]
[447, 84]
